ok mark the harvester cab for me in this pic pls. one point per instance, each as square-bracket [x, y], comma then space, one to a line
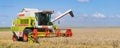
[34, 23]
[43, 18]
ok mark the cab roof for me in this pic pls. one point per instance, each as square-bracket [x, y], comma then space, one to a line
[37, 10]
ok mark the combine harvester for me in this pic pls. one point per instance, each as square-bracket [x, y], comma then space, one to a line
[34, 23]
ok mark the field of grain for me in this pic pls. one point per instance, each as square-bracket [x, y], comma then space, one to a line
[82, 38]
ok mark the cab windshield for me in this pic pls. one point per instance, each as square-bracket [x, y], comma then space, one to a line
[43, 19]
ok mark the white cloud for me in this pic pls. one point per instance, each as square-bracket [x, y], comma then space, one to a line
[114, 16]
[99, 15]
[118, 15]
[83, 0]
[85, 15]
[56, 14]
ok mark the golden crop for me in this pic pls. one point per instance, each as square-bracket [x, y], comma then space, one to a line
[82, 38]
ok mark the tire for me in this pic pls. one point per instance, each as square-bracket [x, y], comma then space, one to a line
[20, 39]
[26, 33]
[15, 38]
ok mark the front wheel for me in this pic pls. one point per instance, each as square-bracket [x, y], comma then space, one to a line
[27, 35]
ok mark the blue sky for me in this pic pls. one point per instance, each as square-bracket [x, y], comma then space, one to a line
[88, 13]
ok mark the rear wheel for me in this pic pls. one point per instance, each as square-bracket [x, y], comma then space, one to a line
[15, 38]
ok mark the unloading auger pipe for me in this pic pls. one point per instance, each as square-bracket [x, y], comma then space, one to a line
[62, 15]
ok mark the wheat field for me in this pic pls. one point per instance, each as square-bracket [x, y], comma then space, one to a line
[82, 38]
